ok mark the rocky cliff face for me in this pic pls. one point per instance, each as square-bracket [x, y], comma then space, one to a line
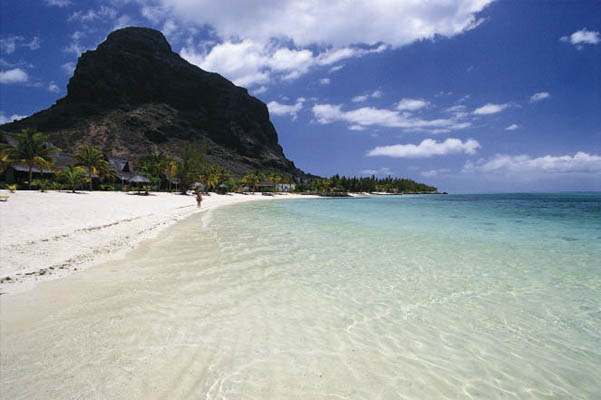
[134, 95]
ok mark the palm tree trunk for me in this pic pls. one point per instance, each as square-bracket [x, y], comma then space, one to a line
[90, 177]
[30, 175]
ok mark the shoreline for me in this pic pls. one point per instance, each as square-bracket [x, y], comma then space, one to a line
[47, 236]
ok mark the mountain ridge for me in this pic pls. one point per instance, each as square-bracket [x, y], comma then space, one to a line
[133, 95]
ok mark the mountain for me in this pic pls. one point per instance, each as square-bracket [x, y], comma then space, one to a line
[133, 95]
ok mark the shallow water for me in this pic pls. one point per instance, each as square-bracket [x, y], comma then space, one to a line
[459, 296]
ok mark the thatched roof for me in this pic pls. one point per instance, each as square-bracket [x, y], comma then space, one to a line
[139, 179]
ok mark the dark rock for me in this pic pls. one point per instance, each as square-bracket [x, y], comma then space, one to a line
[134, 95]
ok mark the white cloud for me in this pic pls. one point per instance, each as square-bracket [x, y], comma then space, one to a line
[335, 30]
[334, 23]
[539, 96]
[376, 94]
[103, 13]
[370, 116]
[123, 21]
[377, 172]
[9, 44]
[279, 109]
[427, 148]
[435, 172]
[249, 63]
[325, 81]
[582, 36]
[68, 68]
[74, 48]
[512, 127]
[260, 90]
[6, 119]
[490, 109]
[15, 75]
[336, 68]
[58, 3]
[53, 87]
[411, 104]
[524, 164]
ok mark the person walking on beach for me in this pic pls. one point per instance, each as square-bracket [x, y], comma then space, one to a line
[198, 199]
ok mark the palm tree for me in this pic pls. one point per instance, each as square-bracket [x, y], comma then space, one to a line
[171, 170]
[154, 165]
[252, 180]
[73, 176]
[93, 160]
[210, 176]
[31, 150]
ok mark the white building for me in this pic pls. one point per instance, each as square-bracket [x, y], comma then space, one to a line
[285, 187]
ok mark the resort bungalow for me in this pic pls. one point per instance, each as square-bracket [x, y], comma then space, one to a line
[19, 173]
[285, 187]
[124, 169]
[266, 187]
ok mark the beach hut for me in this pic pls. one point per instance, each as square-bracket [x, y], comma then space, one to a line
[222, 189]
[140, 180]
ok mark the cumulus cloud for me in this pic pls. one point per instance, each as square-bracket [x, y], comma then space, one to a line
[15, 75]
[336, 68]
[490, 109]
[279, 109]
[334, 30]
[512, 127]
[539, 96]
[249, 63]
[411, 104]
[580, 162]
[4, 119]
[334, 23]
[325, 81]
[427, 148]
[371, 116]
[581, 37]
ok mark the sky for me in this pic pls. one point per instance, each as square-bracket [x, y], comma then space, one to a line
[469, 96]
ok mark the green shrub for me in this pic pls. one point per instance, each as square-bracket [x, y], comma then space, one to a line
[42, 184]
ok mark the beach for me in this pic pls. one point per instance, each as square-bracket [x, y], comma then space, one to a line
[45, 236]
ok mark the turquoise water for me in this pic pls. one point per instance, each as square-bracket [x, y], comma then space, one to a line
[462, 295]
[412, 297]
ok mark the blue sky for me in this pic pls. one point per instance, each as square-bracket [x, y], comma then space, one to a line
[473, 95]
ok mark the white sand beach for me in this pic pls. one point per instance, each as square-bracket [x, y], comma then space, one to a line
[50, 235]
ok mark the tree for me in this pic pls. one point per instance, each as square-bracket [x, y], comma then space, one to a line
[252, 180]
[170, 171]
[153, 166]
[189, 168]
[73, 176]
[93, 160]
[213, 175]
[32, 150]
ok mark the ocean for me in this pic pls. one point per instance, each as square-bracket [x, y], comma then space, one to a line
[411, 297]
